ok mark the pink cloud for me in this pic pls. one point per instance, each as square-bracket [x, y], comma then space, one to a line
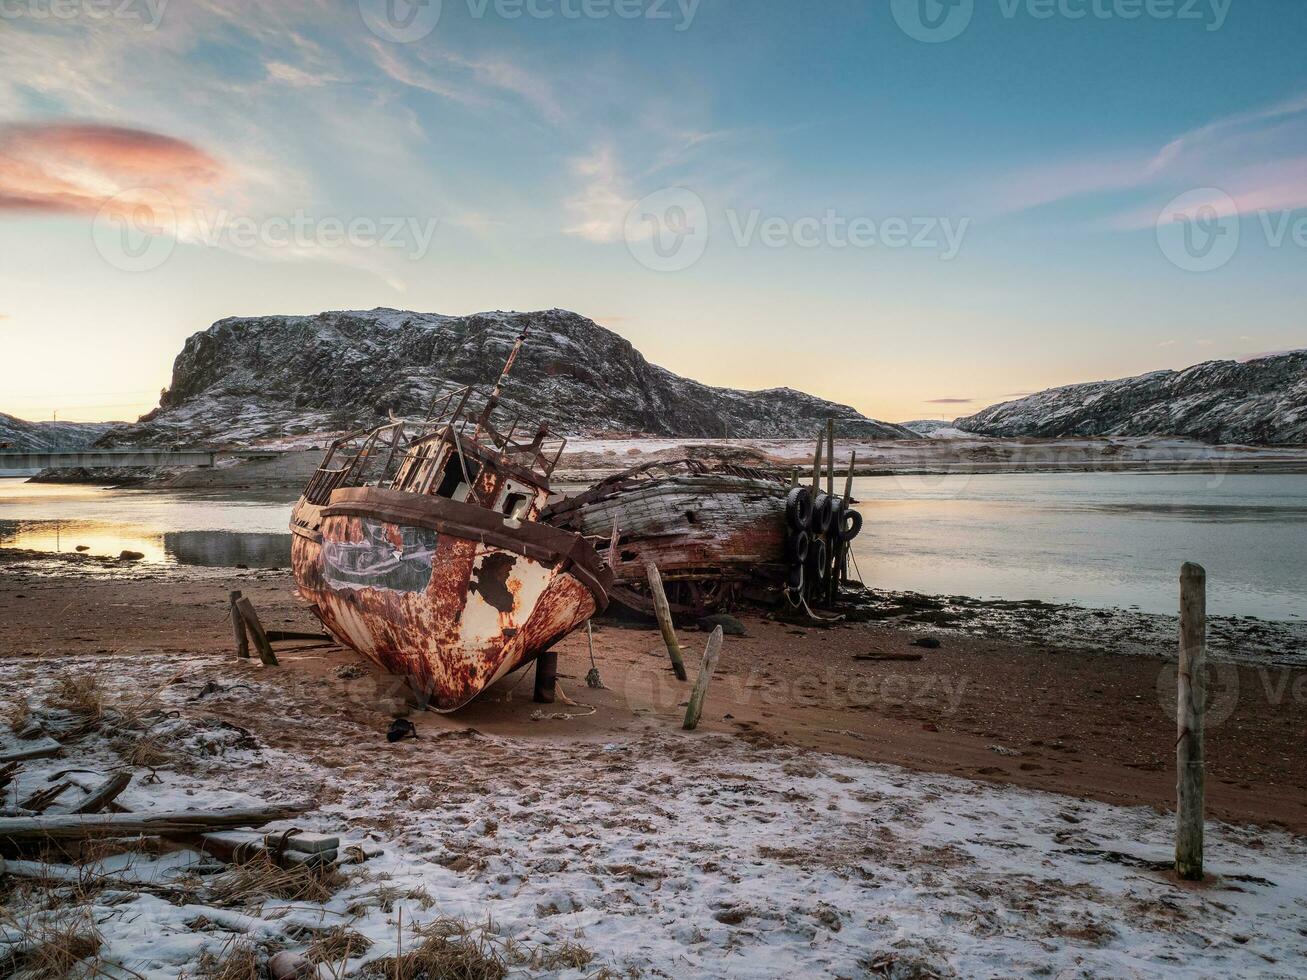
[77, 167]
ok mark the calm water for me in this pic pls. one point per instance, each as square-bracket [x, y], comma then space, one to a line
[1100, 539]
[1104, 539]
[171, 528]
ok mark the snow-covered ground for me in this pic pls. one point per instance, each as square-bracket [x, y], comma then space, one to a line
[672, 855]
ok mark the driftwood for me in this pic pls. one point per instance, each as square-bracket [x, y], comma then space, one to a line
[287, 636]
[664, 614]
[904, 657]
[177, 823]
[240, 846]
[43, 749]
[255, 627]
[710, 655]
[7, 773]
[104, 794]
[39, 801]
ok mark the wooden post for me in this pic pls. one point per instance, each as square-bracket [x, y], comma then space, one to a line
[546, 677]
[664, 614]
[816, 464]
[830, 457]
[710, 654]
[794, 479]
[1191, 704]
[256, 630]
[238, 628]
[848, 480]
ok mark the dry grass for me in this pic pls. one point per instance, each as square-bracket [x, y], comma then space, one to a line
[567, 956]
[52, 947]
[337, 945]
[144, 750]
[237, 960]
[445, 950]
[81, 695]
[18, 714]
[260, 879]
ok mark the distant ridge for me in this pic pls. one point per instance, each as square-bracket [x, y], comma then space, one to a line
[1256, 402]
[22, 436]
[247, 379]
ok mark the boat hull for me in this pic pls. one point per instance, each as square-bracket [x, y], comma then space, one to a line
[449, 595]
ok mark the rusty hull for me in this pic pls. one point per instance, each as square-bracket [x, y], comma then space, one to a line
[448, 594]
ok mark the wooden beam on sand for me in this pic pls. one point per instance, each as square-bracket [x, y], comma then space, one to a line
[1190, 707]
[238, 628]
[710, 655]
[664, 613]
[256, 630]
[181, 822]
[43, 749]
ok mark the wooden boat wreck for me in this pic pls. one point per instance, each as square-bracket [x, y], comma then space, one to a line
[719, 534]
[419, 546]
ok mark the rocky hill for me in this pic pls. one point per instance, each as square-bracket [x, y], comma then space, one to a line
[1258, 402]
[20, 435]
[255, 378]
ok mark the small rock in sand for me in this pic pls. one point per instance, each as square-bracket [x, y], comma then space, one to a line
[131, 556]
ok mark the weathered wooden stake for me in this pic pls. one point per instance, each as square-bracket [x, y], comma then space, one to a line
[256, 630]
[1191, 704]
[546, 677]
[794, 480]
[816, 463]
[664, 614]
[710, 654]
[830, 457]
[238, 628]
[848, 480]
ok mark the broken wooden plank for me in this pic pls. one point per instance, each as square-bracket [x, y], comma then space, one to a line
[7, 773]
[905, 657]
[104, 794]
[178, 822]
[43, 749]
[286, 636]
[710, 655]
[256, 630]
[42, 798]
[664, 613]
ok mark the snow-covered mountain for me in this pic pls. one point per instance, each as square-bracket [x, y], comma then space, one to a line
[1257, 402]
[934, 429]
[251, 378]
[23, 436]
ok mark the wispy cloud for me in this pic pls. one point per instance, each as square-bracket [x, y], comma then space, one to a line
[76, 167]
[1253, 157]
[601, 206]
[949, 401]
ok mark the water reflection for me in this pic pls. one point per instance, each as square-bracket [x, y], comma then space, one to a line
[213, 549]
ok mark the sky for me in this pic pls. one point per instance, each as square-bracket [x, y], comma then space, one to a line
[915, 207]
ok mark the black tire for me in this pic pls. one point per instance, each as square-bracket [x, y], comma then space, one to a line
[795, 578]
[817, 560]
[798, 508]
[797, 545]
[821, 514]
[850, 525]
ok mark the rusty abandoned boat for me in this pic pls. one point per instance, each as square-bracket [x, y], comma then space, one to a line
[419, 546]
